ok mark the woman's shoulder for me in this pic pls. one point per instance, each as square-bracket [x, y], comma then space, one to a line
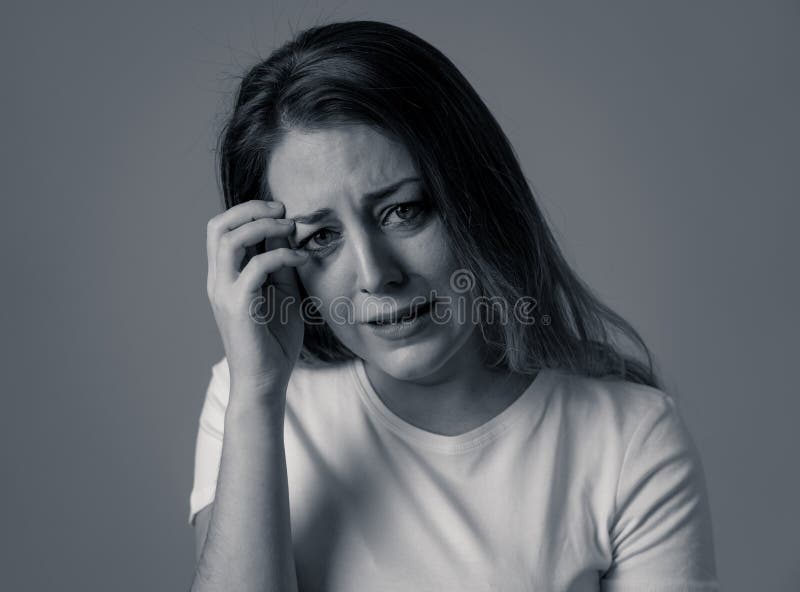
[618, 434]
[610, 406]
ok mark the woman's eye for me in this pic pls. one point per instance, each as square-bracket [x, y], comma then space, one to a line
[407, 212]
[318, 241]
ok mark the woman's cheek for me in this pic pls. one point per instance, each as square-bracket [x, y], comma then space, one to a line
[334, 306]
[432, 253]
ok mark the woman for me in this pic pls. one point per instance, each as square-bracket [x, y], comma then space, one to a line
[418, 393]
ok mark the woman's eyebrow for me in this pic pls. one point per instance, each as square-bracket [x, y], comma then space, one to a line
[376, 195]
[381, 193]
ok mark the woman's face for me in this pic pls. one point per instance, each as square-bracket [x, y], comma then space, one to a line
[376, 246]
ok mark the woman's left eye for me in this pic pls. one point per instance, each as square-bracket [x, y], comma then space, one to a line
[407, 212]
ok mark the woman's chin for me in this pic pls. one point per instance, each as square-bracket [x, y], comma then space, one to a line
[423, 355]
[412, 361]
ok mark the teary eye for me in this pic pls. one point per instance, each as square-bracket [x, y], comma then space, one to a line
[407, 212]
[321, 237]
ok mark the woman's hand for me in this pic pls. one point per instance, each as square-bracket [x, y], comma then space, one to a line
[262, 336]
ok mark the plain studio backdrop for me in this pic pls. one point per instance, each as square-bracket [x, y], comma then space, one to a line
[662, 142]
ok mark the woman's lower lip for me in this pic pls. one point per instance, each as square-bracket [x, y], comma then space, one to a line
[401, 329]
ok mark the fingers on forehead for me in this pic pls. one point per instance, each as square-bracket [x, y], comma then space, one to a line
[246, 212]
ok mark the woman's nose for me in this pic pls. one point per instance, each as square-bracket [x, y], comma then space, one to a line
[378, 268]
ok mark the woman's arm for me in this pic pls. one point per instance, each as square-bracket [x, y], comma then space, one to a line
[249, 540]
[662, 534]
[249, 545]
[201, 530]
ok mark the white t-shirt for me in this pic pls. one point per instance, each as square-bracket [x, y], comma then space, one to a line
[579, 485]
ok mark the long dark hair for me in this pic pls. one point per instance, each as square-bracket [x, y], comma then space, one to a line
[367, 72]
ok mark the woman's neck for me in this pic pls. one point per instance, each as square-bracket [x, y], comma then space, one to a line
[459, 397]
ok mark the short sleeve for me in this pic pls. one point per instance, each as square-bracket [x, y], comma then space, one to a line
[661, 533]
[208, 448]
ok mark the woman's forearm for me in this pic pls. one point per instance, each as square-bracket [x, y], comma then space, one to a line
[249, 542]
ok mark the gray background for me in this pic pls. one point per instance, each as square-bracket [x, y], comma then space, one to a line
[662, 139]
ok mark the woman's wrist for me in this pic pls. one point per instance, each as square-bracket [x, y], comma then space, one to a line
[255, 406]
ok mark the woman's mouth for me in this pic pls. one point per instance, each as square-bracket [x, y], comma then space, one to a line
[409, 322]
[404, 316]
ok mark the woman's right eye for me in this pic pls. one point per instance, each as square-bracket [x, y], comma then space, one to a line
[319, 241]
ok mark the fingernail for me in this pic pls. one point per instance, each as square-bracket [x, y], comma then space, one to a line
[284, 221]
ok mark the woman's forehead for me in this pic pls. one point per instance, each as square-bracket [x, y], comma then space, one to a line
[313, 169]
